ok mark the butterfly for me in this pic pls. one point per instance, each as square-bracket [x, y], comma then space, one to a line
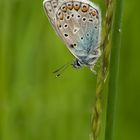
[78, 23]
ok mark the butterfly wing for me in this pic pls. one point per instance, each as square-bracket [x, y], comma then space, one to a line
[50, 7]
[78, 24]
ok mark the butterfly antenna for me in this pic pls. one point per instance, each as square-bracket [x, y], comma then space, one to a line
[60, 70]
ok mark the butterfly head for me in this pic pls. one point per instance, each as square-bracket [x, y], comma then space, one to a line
[77, 64]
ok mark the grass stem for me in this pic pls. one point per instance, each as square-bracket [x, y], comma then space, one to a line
[113, 70]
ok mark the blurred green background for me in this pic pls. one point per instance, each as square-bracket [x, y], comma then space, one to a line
[34, 104]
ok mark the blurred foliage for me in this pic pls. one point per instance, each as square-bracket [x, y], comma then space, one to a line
[34, 104]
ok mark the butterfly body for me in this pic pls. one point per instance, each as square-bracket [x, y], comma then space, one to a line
[78, 23]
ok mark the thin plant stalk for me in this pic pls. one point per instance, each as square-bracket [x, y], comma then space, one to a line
[114, 70]
[103, 114]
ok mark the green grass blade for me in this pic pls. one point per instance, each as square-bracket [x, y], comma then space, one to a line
[114, 70]
[104, 110]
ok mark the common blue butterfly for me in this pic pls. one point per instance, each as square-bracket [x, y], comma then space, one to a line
[78, 23]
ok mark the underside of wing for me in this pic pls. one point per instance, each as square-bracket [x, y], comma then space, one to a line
[78, 24]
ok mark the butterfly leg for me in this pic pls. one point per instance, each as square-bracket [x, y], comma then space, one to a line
[92, 69]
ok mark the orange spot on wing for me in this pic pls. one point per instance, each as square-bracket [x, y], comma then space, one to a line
[64, 8]
[93, 13]
[76, 6]
[61, 17]
[70, 6]
[84, 8]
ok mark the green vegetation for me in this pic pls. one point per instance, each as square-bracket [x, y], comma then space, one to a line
[34, 104]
